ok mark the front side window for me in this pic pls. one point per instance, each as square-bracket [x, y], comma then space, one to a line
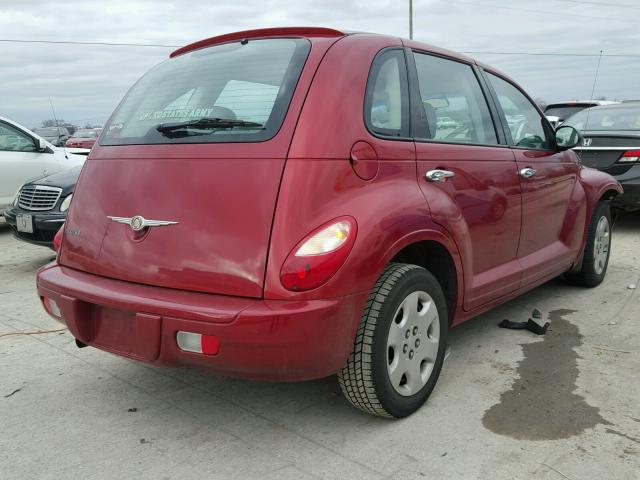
[13, 140]
[525, 123]
[455, 107]
[234, 92]
[387, 104]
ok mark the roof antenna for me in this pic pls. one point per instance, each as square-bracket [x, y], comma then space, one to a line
[58, 127]
[593, 89]
[411, 19]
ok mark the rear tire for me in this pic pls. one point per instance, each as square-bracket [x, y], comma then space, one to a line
[596, 251]
[400, 344]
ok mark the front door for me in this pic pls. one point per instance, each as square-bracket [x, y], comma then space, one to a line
[469, 179]
[548, 179]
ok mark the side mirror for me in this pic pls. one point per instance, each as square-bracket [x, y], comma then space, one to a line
[567, 137]
[42, 145]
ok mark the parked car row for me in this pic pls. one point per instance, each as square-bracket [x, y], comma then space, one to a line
[24, 155]
[229, 218]
[366, 268]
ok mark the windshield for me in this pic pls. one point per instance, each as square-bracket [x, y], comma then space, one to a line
[563, 112]
[606, 119]
[86, 134]
[234, 92]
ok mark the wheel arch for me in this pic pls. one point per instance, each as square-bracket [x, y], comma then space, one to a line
[436, 252]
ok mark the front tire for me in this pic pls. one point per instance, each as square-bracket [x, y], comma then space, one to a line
[596, 251]
[400, 344]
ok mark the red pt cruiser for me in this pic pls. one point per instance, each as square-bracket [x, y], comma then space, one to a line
[290, 203]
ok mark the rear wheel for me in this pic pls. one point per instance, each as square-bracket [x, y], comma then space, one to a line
[597, 249]
[400, 344]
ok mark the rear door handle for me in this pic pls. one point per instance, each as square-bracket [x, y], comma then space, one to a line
[438, 175]
[527, 172]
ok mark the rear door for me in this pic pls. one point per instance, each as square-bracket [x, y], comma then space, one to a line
[477, 197]
[547, 179]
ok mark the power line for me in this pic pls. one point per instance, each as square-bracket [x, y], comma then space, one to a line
[551, 54]
[603, 4]
[544, 12]
[109, 44]
[468, 52]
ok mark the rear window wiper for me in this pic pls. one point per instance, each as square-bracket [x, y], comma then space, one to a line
[207, 123]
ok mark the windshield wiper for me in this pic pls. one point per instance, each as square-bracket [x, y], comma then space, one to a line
[207, 123]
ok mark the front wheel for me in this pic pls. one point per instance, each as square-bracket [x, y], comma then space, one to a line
[400, 344]
[596, 251]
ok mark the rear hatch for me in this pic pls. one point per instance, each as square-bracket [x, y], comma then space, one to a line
[199, 143]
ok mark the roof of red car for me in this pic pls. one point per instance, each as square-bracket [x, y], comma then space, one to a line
[318, 32]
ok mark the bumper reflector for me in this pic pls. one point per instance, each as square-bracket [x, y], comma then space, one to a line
[51, 307]
[197, 343]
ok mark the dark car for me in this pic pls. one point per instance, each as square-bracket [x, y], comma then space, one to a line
[611, 143]
[55, 135]
[40, 208]
[558, 112]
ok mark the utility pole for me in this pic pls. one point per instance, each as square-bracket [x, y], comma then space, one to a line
[411, 19]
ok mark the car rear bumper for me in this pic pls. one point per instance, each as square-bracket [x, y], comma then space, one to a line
[45, 226]
[260, 339]
[630, 181]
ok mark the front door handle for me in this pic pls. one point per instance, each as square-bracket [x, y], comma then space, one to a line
[527, 172]
[438, 175]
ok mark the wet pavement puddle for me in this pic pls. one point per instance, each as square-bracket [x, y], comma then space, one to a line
[541, 404]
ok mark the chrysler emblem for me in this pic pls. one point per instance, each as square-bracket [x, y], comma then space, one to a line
[587, 142]
[138, 222]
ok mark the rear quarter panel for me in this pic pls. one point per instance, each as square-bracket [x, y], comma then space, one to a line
[319, 183]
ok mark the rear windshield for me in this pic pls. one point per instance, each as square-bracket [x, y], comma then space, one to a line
[234, 92]
[86, 134]
[563, 112]
[606, 119]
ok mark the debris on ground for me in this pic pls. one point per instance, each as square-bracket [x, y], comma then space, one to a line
[532, 325]
[632, 286]
[13, 393]
[132, 409]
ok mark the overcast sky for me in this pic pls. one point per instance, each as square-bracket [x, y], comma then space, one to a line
[86, 82]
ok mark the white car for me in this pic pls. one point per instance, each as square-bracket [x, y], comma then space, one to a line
[24, 156]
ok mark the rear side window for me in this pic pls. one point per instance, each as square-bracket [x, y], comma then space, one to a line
[455, 107]
[234, 92]
[387, 98]
[525, 123]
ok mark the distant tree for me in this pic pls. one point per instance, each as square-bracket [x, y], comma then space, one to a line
[52, 123]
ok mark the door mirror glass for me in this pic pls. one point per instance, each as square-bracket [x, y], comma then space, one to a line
[567, 137]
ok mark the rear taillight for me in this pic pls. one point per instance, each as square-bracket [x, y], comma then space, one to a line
[632, 156]
[57, 240]
[319, 255]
